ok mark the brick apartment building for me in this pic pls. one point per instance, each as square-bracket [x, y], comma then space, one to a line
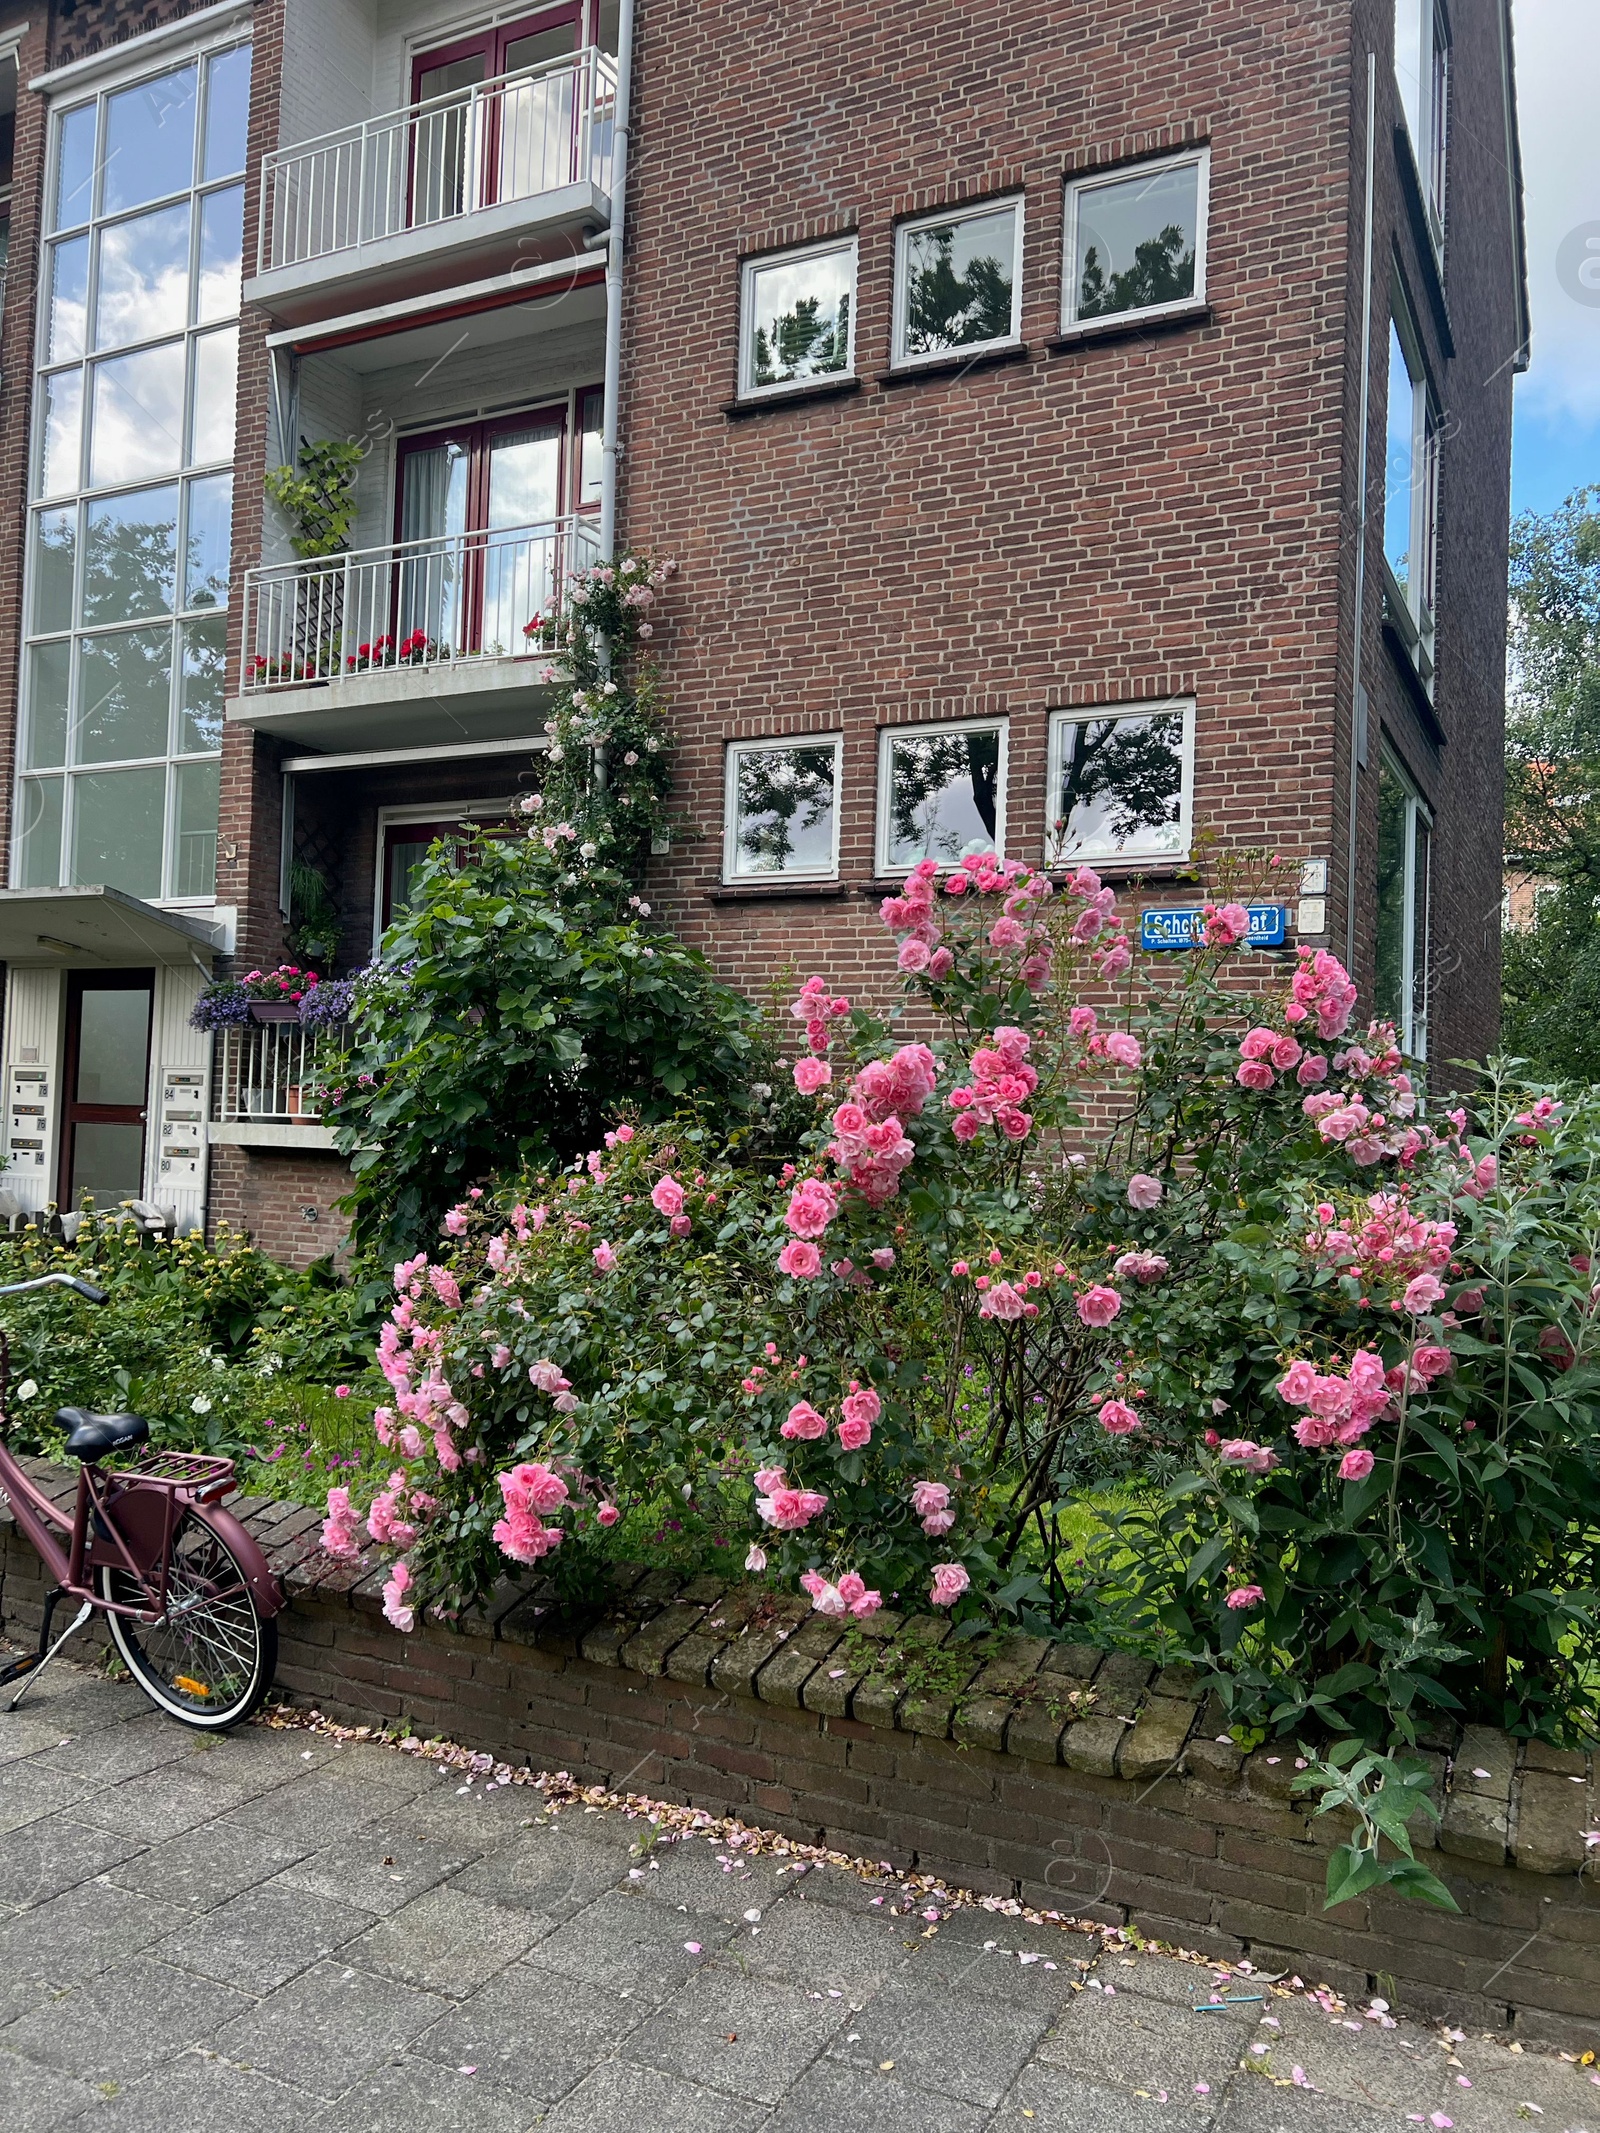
[1081, 427]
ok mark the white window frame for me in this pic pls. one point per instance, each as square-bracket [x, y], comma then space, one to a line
[1413, 1029]
[1106, 854]
[1430, 139]
[1415, 614]
[969, 211]
[793, 255]
[888, 736]
[733, 874]
[1091, 181]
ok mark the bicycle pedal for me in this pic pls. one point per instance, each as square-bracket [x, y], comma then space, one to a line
[14, 1669]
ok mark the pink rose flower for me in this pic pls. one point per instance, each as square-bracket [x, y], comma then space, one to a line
[756, 1559]
[950, 1581]
[1431, 1362]
[1423, 1293]
[1146, 1267]
[812, 1206]
[929, 1497]
[853, 1591]
[1355, 1466]
[1117, 1417]
[394, 1600]
[802, 1261]
[940, 965]
[913, 956]
[805, 1422]
[1244, 1596]
[810, 1075]
[1312, 1069]
[681, 1226]
[608, 1514]
[1099, 1306]
[1123, 1048]
[1256, 1075]
[1144, 1192]
[666, 1197]
[1298, 1383]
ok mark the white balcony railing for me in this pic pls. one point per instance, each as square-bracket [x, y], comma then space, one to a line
[463, 596]
[509, 139]
[270, 1074]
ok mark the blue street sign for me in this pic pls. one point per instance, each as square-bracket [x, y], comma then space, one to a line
[1179, 926]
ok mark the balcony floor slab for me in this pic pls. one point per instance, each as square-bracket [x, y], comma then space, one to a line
[472, 699]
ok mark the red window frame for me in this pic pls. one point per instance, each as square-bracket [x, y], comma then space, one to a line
[493, 42]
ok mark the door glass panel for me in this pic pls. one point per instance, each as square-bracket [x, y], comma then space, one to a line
[202, 687]
[138, 415]
[536, 117]
[405, 848]
[107, 1161]
[144, 278]
[434, 501]
[518, 565]
[49, 676]
[150, 140]
[195, 866]
[125, 687]
[130, 558]
[448, 151]
[118, 817]
[113, 1047]
[591, 458]
[69, 299]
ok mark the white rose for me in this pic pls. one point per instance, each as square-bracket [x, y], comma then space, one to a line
[28, 1390]
[199, 1405]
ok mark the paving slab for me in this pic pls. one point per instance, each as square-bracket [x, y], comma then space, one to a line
[261, 1939]
[552, 1870]
[412, 2095]
[831, 2098]
[541, 2035]
[381, 1868]
[972, 2049]
[329, 2027]
[749, 2036]
[119, 2025]
[1056, 2101]
[30, 1790]
[56, 1853]
[87, 1928]
[37, 2099]
[446, 1941]
[204, 1868]
[198, 2092]
[621, 1941]
[619, 2094]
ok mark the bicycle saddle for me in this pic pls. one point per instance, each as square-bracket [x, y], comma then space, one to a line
[91, 1436]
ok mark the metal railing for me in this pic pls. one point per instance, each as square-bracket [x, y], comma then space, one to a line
[454, 597]
[512, 138]
[269, 1073]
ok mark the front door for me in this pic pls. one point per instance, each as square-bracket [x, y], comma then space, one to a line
[107, 1087]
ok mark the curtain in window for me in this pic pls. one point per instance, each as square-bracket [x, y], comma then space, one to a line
[433, 511]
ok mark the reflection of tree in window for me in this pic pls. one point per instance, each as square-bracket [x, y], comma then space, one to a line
[1162, 273]
[803, 343]
[130, 565]
[930, 812]
[1121, 782]
[945, 309]
[1389, 989]
[785, 805]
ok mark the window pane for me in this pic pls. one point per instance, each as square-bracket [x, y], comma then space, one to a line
[943, 796]
[194, 865]
[75, 167]
[958, 285]
[227, 112]
[799, 318]
[784, 810]
[138, 416]
[118, 818]
[107, 1163]
[49, 681]
[113, 1044]
[150, 140]
[69, 299]
[216, 391]
[130, 556]
[210, 541]
[1121, 789]
[221, 255]
[62, 426]
[55, 559]
[1408, 62]
[591, 462]
[1394, 808]
[144, 278]
[39, 831]
[1135, 242]
[125, 687]
[1417, 1037]
[202, 685]
[1399, 448]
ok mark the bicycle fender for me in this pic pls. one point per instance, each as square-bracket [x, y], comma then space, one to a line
[265, 1589]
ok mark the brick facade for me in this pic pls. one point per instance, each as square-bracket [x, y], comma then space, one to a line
[282, 1200]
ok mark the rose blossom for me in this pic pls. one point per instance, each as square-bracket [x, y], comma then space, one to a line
[1141, 1266]
[1432, 1362]
[1244, 1596]
[605, 1258]
[1099, 1306]
[812, 1206]
[950, 1581]
[1144, 1192]
[666, 1197]
[804, 1421]
[803, 1261]
[1118, 1418]
[1356, 1465]
[853, 1591]
[756, 1559]
[1423, 1293]
[1123, 1048]
[810, 1075]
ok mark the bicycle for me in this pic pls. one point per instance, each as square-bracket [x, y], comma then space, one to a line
[188, 1596]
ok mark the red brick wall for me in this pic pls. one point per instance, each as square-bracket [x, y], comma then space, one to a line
[265, 1194]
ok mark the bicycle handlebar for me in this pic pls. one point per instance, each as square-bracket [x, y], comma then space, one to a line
[86, 1289]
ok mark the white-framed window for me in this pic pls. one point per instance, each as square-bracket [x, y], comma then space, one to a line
[1422, 74]
[782, 809]
[957, 282]
[1405, 859]
[130, 526]
[1136, 241]
[1121, 783]
[941, 793]
[797, 318]
[1411, 490]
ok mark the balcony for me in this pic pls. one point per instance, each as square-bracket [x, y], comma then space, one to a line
[267, 1086]
[460, 187]
[412, 643]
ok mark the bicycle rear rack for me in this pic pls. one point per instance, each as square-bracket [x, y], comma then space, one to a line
[198, 1475]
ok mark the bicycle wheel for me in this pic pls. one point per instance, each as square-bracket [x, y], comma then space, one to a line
[210, 1662]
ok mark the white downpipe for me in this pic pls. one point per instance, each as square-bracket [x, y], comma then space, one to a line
[609, 446]
[1358, 707]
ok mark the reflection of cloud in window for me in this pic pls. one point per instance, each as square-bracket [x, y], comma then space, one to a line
[138, 415]
[942, 802]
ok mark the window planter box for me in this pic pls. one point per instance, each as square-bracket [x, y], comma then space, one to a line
[274, 1010]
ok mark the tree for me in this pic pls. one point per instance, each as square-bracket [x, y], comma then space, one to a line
[1552, 970]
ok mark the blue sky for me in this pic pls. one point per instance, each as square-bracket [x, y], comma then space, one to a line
[1557, 436]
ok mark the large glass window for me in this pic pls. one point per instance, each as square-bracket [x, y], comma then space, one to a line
[1136, 242]
[131, 527]
[1120, 784]
[941, 793]
[958, 282]
[1422, 74]
[796, 322]
[1405, 855]
[783, 809]
[1411, 492]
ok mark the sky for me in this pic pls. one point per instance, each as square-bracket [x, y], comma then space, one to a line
[1557, 435]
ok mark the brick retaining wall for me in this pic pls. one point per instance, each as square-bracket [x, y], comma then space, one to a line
[1079, 1781]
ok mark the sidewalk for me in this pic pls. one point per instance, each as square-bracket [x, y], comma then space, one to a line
[280, 1931]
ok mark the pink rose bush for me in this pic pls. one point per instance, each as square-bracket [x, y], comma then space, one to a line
[1174, 1235]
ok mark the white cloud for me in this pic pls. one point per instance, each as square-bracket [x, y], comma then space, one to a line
[1558, 64]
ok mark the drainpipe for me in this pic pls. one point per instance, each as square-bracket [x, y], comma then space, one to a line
[1358, 694]
[614, 244]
